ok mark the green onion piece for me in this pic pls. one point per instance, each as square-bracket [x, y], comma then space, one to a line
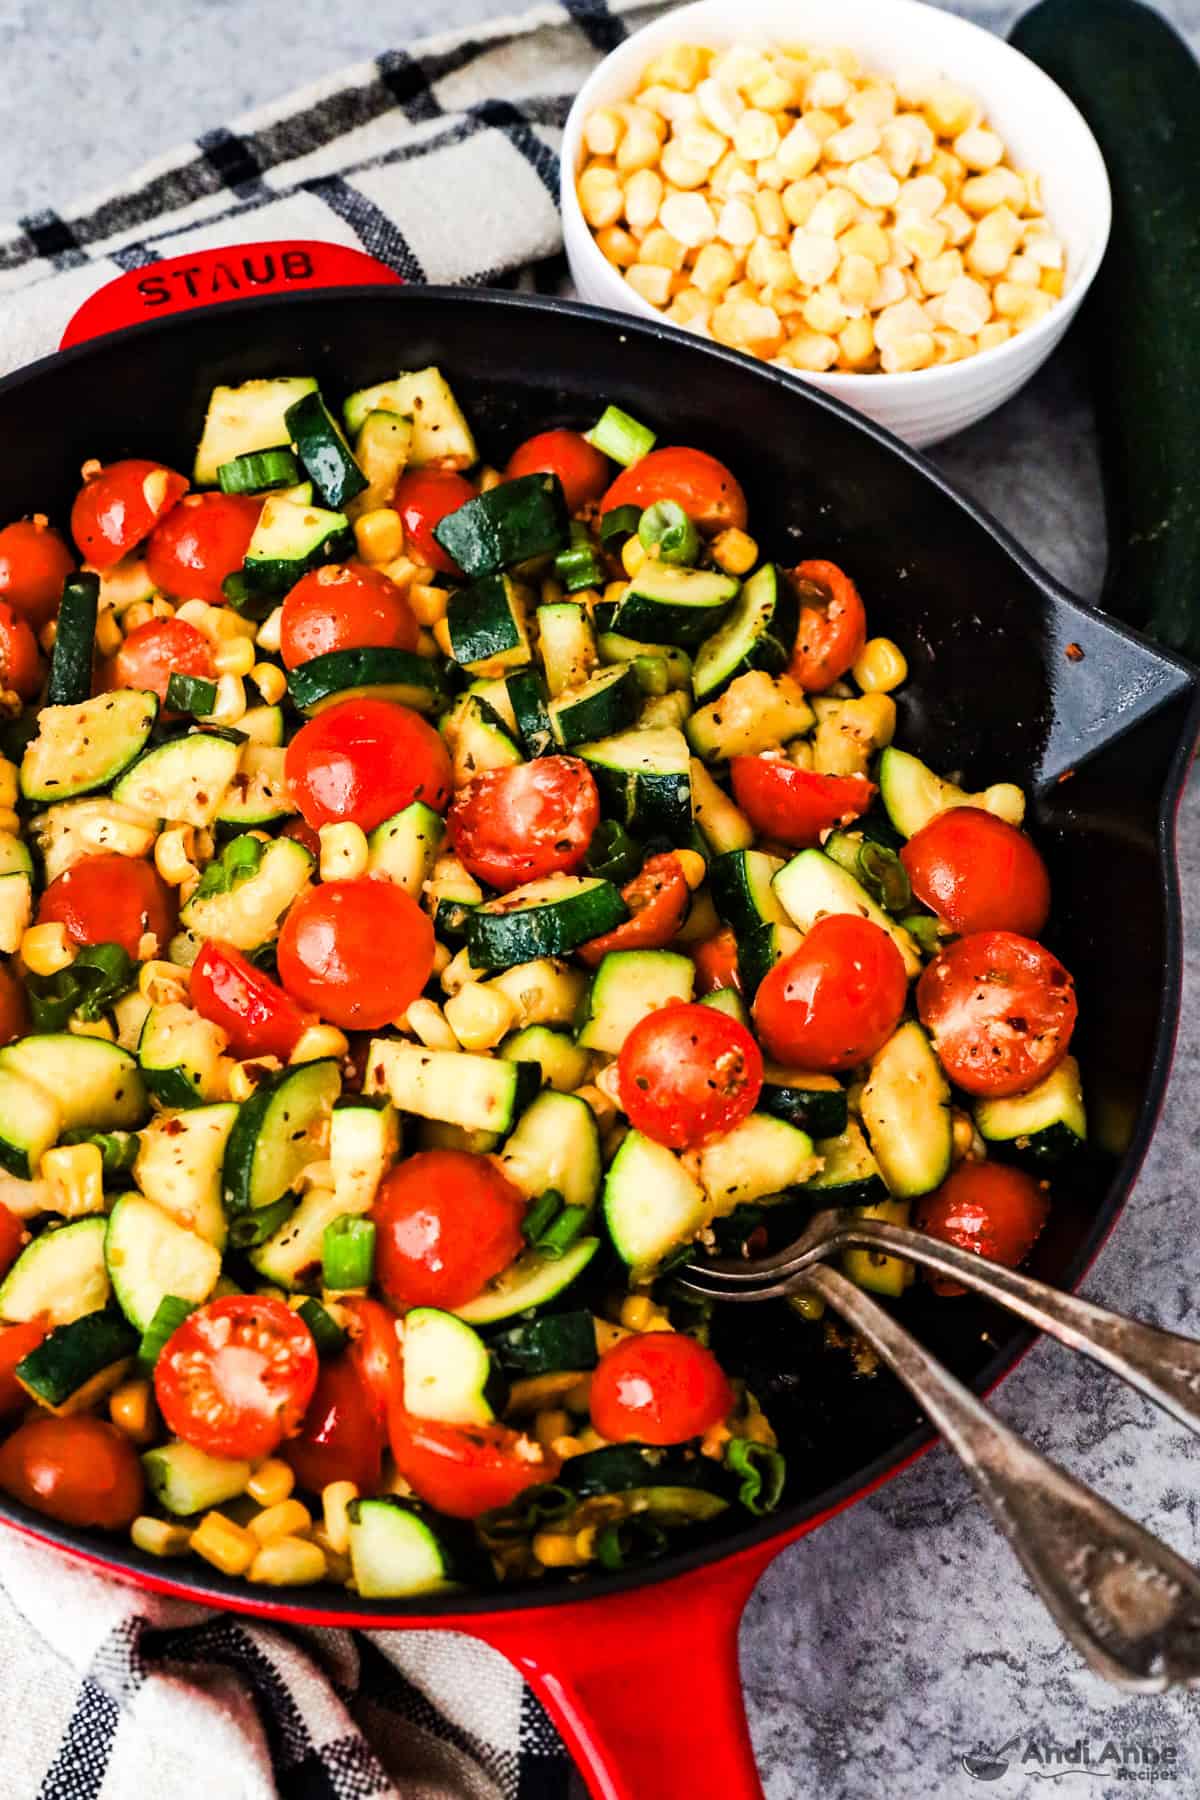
[621, 523]
[612, 853]
[244, 599]
[118, 1149]
[924, 928]
[250, 1229]
[624, 1542]
[214, 880]
[240, 858]
[190, 694]
[579, 567]
[621, 437]
[578, 532]
[666, 527]
[52, 999]
[763, 1472]
[258, 471]
[652, 674]
[328, 1335]
[537, 1506]
[168, 1317]
[348, 1252]
[562, 1233]
[884, 876]
[541, 1214]
[100, 974]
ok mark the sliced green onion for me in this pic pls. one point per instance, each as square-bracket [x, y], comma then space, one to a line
[100, 974]
[258, 471]
[168, 1317]
[621, 437]
[348, 1252]
[924, 928]
[666, 527]
[618, 524]
[250, 1229]
[624, 1542]
[118, 1149]
[537, 1506]
[190, 694]
[884, 876]
[541, 1214]
[244, 599]
[763, 1471]
[241, 857]
[612, 853]
[579, 567]
[327, 1334]
[562, 1233]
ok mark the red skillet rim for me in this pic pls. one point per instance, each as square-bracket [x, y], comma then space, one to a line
[210, 1588]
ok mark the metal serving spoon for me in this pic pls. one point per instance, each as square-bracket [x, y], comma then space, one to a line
[1127, 1602]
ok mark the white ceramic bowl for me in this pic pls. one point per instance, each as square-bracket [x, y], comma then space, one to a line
[1041, 129]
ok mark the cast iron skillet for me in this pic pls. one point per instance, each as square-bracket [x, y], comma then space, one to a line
[643, 1685]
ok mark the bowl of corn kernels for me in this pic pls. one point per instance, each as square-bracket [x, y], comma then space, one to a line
[879, 197]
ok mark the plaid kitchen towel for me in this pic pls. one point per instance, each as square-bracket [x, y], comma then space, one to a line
[441, 160]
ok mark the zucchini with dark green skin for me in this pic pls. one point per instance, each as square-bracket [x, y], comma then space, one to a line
[509, 524]
[1138, 86]
[74, 641]
[377, 674]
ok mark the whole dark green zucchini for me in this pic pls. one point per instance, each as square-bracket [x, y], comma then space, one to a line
[1137, 84]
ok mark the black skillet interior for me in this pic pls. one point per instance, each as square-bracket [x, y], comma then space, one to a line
[993, 695]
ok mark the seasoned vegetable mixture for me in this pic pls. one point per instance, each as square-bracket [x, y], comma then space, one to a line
[435, 900]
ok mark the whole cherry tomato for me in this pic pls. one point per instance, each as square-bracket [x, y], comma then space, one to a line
[153, 652]
[20, 665]
[582, 469]
[302, 833]
[199, 543]
[423, 497]
[833, 625]
[688, 1073]
[514, 825]
[16, 1341]
[447, 1221]
[661, 1387]
[34, 563]
[120, 505]
[110, 899]
[255, 1013]
[375, 1351]
[978, 873]
[364, 760]
[796, 805]
[344, 606]
[356, 952]
[79, 1470]
[465, 1470]
[834, 1001]
[657, 899]
[710, 495]
[987, 1207]
[716, 961]
[237, 1376]
[1000, 1010]
[341, 1437]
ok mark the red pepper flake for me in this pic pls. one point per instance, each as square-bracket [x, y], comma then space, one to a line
[1074, 653]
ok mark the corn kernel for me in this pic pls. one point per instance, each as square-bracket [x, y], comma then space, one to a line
[245, 1077]
[660, 250]
[480, 1016]
[617, 246]
[220, 1542]
[45, 949]
[161, 983]
[131, 1409]
[690, 307]
[856, 343]
[287, 1518]
[158, 1537]
[811, 351]
[600, 198]
[289, 1562]
[603, 131]
[747, 326]
[316, 1042]
[335, 1499]
[1052, 282]
[267, 637]
[272, 1482]
[557, 1550]
[109, 636]
[343, 851]
[379, 535]
[689, 220]
[641, 146]
[834, 213]
[173, 855]
[231, 700]
[949, 110]
[734, 551]
[680, 66]
[270, 681]
[997, 331]
[638, 1311]
[96, 1028]
[690, 861]
[714, 271]
[881, 666]
[654, 285]
[966, 306]
[427, 1021]
[633, 555]
[858, 281]
[868, 239]
[233, 656]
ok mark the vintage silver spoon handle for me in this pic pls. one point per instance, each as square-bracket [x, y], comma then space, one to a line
[1160, 1364]
[1127, 1602]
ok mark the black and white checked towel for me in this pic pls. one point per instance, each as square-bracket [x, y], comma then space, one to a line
[441, 160]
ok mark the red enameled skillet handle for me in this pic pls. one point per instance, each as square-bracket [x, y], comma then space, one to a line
[644, 1686]
[232, 272]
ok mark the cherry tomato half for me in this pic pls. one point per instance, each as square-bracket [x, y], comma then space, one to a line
[20, 665]
[1000, 1009]
[16, 1341]
[657, 899]
[120, 505]
[688, 1073]
[709, 494]
[978, 873]
[14, 1006]
[199, 543]
[375, 1351]
[519, 824]
[344, 606]
[12, 1237]
[582, 469]
[110, 899]
[716, 961]
[833, 625]
[341, 1437]
[447, 1221]
[258, 1017]
[237, 1376]
[356, 952]
[365, 760]
[153, 652]
[987, 1207]
[34, 563]
[423, 497]
[796, 805]
[659, 1388]
[834, 1001]
[465, 1470]
[80, 1471]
